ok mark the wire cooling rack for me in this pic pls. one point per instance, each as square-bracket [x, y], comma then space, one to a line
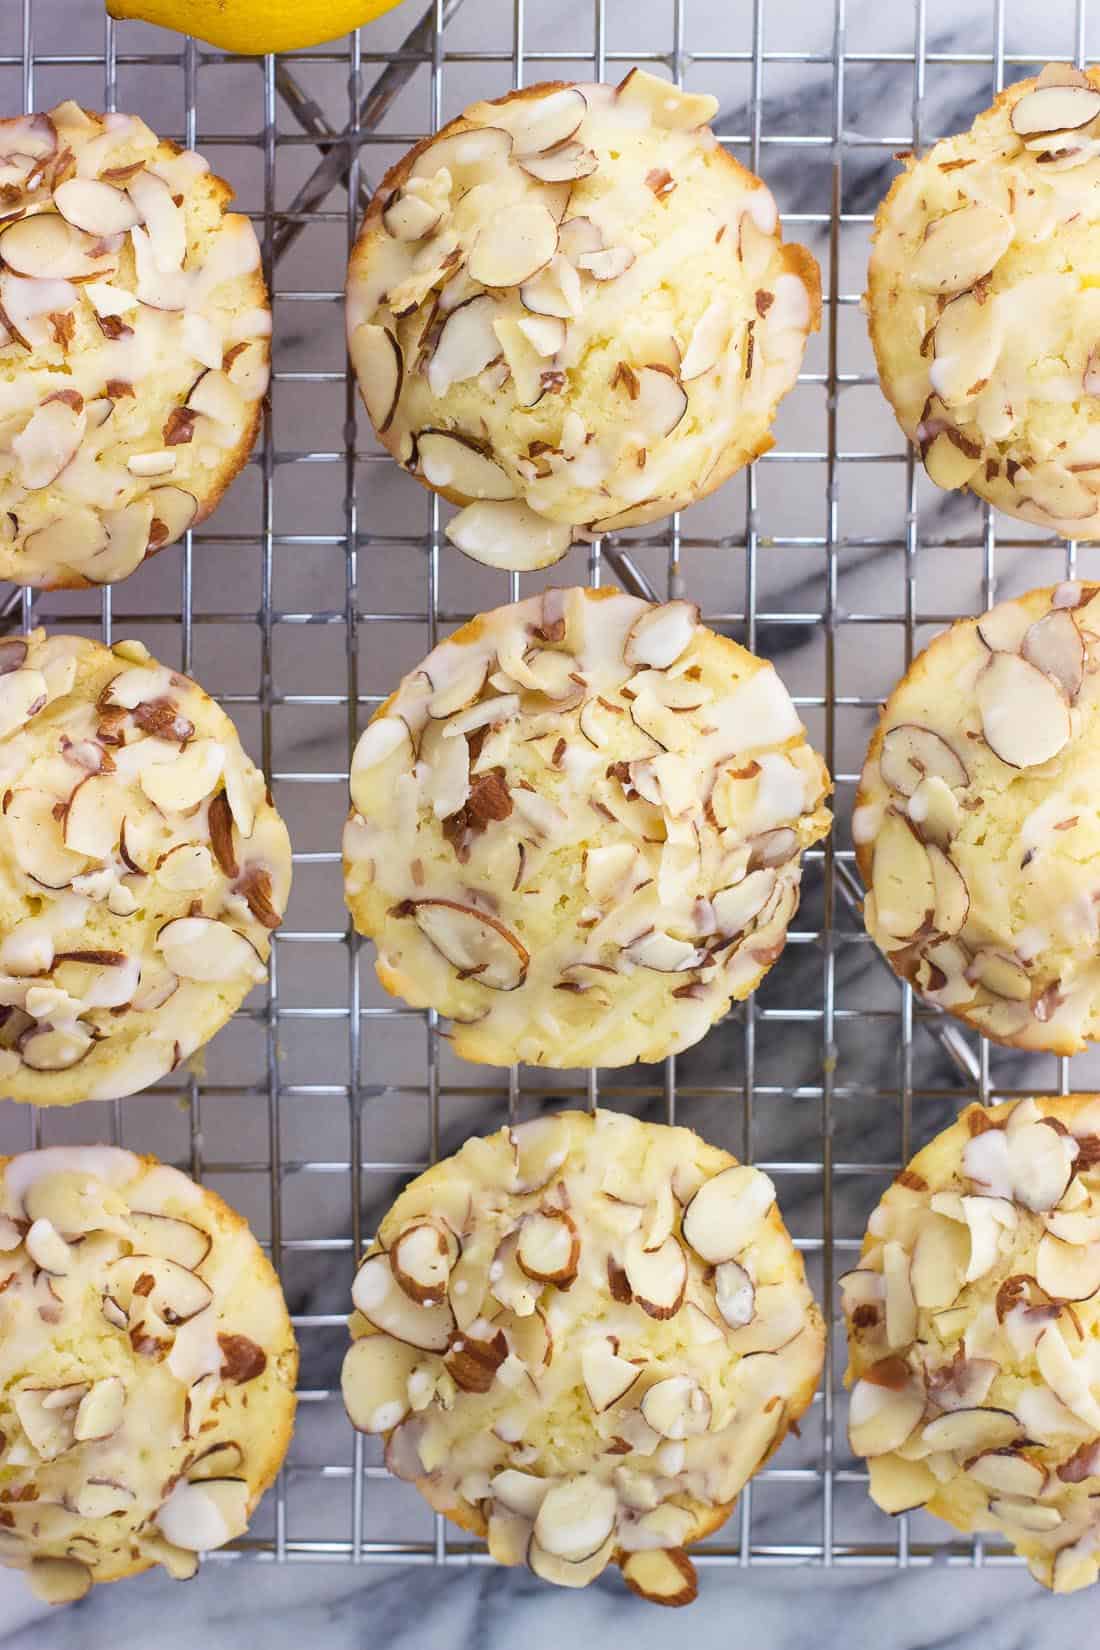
[324, 575]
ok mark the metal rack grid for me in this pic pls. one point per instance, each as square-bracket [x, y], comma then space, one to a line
[322, 1097]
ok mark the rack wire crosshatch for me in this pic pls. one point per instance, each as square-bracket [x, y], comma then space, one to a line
[325, 574]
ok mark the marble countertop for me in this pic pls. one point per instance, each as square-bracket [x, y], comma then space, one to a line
[756, 1084]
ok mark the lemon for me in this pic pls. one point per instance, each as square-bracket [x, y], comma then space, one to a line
[254, 26]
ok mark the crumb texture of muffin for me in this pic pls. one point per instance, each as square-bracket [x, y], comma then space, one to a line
[148, 1368]
[572, 311]
[977, 822]
[985, 308]
[142, 869]
[576, 829]
[972, 1334]
[581, 1337]
[134, 344]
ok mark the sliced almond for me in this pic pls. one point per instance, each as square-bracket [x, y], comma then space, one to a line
[564, 1572]
[880, 1417]
[910, 753]
[99, 1413]
[94, 816]
[960, 247]
[661, 634]
[199, 948]
[560, 165]
[422, 1258]
[556, 290]
[662, 1576]
[475, 943]
[377, 1294]
[96, 207]
[967, 342]
[951, 903]
[548, 1248]
[725, 1213]
[677, 1407]
[47, 248]
[466, 344]
[607, 264]
[607, 1376]
[708, 342]
[59, 1580]
[1055, 646]
[23, 694]
[513, 245]
[509, 534]
[472, 1361]
[541, 123]
[661, 402]
[173, 1292]
[898, 1485]
[667, 106]
[166, 1235]
[941, 1252]
[972, 1431]
[949, 463]
[49, 441]
[55, 1048]
[36, 840]
[451, 462]
[174, 510]
[1007, 1473]
[205, 1515]
[1054, 109]
[164, 221]
[901, 880]
[736, 907]
[657, 1278]
[1067, 1271]
[1025, 718]
[380, 370]
[576, 1517]
[410, 217]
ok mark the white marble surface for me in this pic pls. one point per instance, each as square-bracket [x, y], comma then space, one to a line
[232, 1133]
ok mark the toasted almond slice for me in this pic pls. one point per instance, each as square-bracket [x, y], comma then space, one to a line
[45, 247]
[541, 124]
[661, 1576]
[374, 1380]
[661, 403]
[163, 219]
[377, 1294]
[564, 164]
[606, 265]
[410, 217]
[466, 344]
[49, 441]
[578, 236]
[509, 534]
[1025, 1515]
[1005, 976]
[1055, 493]
[158, 463]
[450, 461]
[1067, 1378]
[1054, 645]
[881, 1418]
[76, 539]
[1007, 1473]
[960, 247]
[898, 1485]
[520, 1492]
[607, 1376]
[475, 943]
[174, 1292]
[972, 1431]
[734, 1294]
[167, 1236]
[422, 1258]
[657, 1278]
[181, 784]
[667, 106]
[472, 1361]
[709, 340]
[910, 753]
[576, 1517]
[513, 245]
[96, 207]
[174, 509]
[677, 1407]
[55, 1048]
[94, 816]
[201, 1516]
[1074, 1225]
[726, 1212]
[661, 634]
[564, 1572]
[1054, 109]
[200, 948]
[380, 370]
[967, 342]
[952, 896]
[1024, 714]
[736, 907]
[549, 1246]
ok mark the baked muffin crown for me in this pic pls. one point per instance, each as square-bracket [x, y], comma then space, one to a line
[571, 311]
[576, 829]
[148, 1369]
[134, 344]
[972, 1322]
[142, 869]
[976, 825]
[582, 1335]
[983, 311]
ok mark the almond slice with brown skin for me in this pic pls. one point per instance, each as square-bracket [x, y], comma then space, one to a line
[661, 402]
[49, 441]
[452, 462]
[1025, 718]
[200, 948]
[898, 1485]
[1054, 109]
[520, 1492]
[174, 509]
[509, 534]
[657, 1278]
[513, 245]
[736, 907]
[472, 1361]
[36, 840]
[96, 207]
[1054, 645]
[1007, 1473]
[549, 1247]
[576, 1517]
[1055, 493]
[960, 247]
[677, 1407]
[473, 942]
[967, 342]
[174, 1239]
[607, 1376]
[181, 784]
[709, 340]
[543, 123]
[563, 1572]
[1003, 627]
[45, 247]
[23, 694]
[910, 752]
[377, 1294]
[1067, 1271]
[1002, 974]
[55, 1048]
[563, 164]
[661, 1576]
[726, 1211]
[734, 1294]
[545, 333]
[938, 1264]
[881, 1417]
[466, 344]
[661, 634]
[952, 896]
[410, 217]
[94, 816]
[380, 369]
[164, 221]
[606, 265]
[174, 1292]
[901, 880]
[374, 1381]
[554, 291]
[421, 1260]
[205, 1515]
[77, 539]
[99, 1413]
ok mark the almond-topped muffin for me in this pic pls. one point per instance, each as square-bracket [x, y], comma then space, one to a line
[581, 1337]
[142, 869]
[972, 1334]
[576, 829]
[984, 305]
[977, 821]
[147, 1364]
[134, 345]
[572, 311]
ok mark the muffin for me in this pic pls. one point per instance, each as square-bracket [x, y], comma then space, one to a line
[983, 310]
[581, 1337]
[576, 829]
[142, 869]
[972, 1334]
[148, 1369]
[571, 311]
[977, 826]
[134, 345]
